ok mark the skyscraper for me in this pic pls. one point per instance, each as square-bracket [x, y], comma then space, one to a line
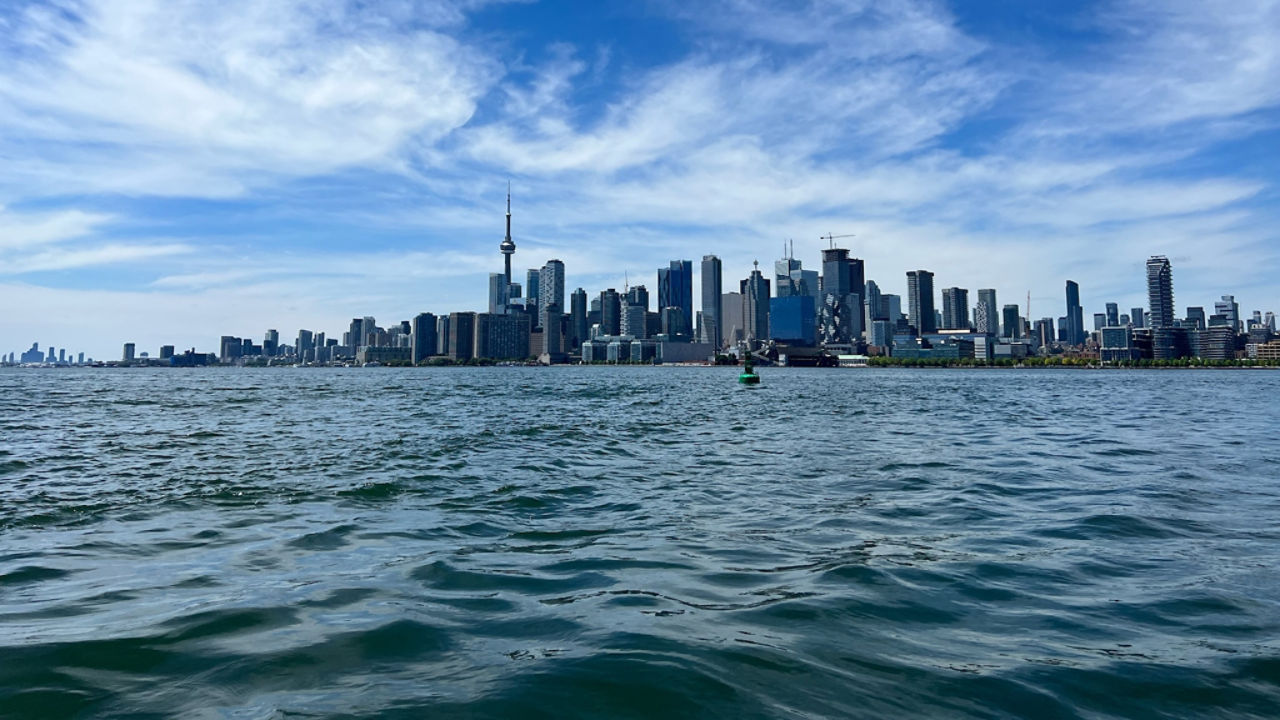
[841, 311]
[1137, 316]
[1012, 323]
[1229, 308]
[955, 308]
[1113, 314]
[550, 290]
[424, 337]
[1159, 292]
[920, 305]
[533, 294]
[462, 335]
[986, 314]
[675, 288]
[1195, 318]
[610, 312]
[712, 290]
[755, 294]
[577, 318]
[1075, 315]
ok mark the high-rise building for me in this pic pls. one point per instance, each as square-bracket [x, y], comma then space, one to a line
[1159, 292]
[791, 320]
[533, 294]
[1099, 321]
[841, 311]
[755, 298]
[1012, 323]
[920, 301]
[1075, 315]
[675, 288]
[712, 292]
[424, 337]
[501, 337]
[127, 356]
[1196, 318]
[955, 308]
[874, 300]
[499, 293]
[577, 319]
[1113, 315]
[1138, 317]
[550, 290]
[638, 295]
[442, 335]
[462, 335]
[1231, 309]
[634, 323]
[986, 314]
[610, 312]
[734, 323]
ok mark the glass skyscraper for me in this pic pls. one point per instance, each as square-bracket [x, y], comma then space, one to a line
[1159, 292]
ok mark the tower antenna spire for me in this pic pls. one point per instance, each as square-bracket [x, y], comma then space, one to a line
[508, 246]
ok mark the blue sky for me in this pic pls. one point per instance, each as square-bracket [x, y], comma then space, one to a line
[176, 170]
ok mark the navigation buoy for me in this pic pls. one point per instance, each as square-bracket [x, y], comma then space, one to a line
[748, 376]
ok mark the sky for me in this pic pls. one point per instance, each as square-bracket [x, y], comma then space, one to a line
[176, 170]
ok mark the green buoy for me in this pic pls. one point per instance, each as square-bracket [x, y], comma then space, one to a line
[748, 376]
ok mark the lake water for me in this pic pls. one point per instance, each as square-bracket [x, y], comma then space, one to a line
[639, 542]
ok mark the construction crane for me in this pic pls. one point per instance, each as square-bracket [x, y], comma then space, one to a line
[831, 239]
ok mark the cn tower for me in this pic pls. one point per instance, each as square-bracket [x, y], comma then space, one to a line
[508, 246]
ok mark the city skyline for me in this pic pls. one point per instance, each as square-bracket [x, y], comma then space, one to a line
[305, 161]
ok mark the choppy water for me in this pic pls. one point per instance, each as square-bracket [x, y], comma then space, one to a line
[639, 542]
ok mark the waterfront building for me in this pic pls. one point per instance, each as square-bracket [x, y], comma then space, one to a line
[1217, 343]
[1117, 345]
[792, 320]
[1229, 308]
[1196, 318]
[711, 321]
[986, 315]
[675, 289]
[1043, 332]
[442, 335]
[920, 304]
[166, 352]
[552, 332]
[1170, 342]
[1160, 292]
[634, 323]
[881, 333]
[127, 356]
[501, 336]
[841, 310]
[955, 308]
[462, 336]
[1012, 323]
[672, 325]
[424, 337]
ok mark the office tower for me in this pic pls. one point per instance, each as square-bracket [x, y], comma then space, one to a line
[1043, 332]
[920, 301]
[986, 314]
[1075, 314]
[733, 330]
[533, 294]
[499, 293]
[551, 290]
[893, 304]
[841, 310]
[354, 335]
[128, 352]
[229, 348]
[1012, 324]
[79, 358]
[368, 332]
[62, 355]
[1269, 321]
[755, 298]
[462, 337]
[305, 345]
[553, 329]
[1159, 292]
[712, 292]
[675, 288]
[1138, 317]
[166, 352]
[1196, 318]
[322, 352]
[424, 337]
[634, 323]
[1064, 327]
[1113, 314]
[1231, 309]
[442, 335]
[577, 318]
[610, 312]
[874, 300]
[1124, 319]
[790, 279]
[955, 308]
[270, 343]
[1099, 321]
[637, 295]
[501, 337]
[792, 320]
